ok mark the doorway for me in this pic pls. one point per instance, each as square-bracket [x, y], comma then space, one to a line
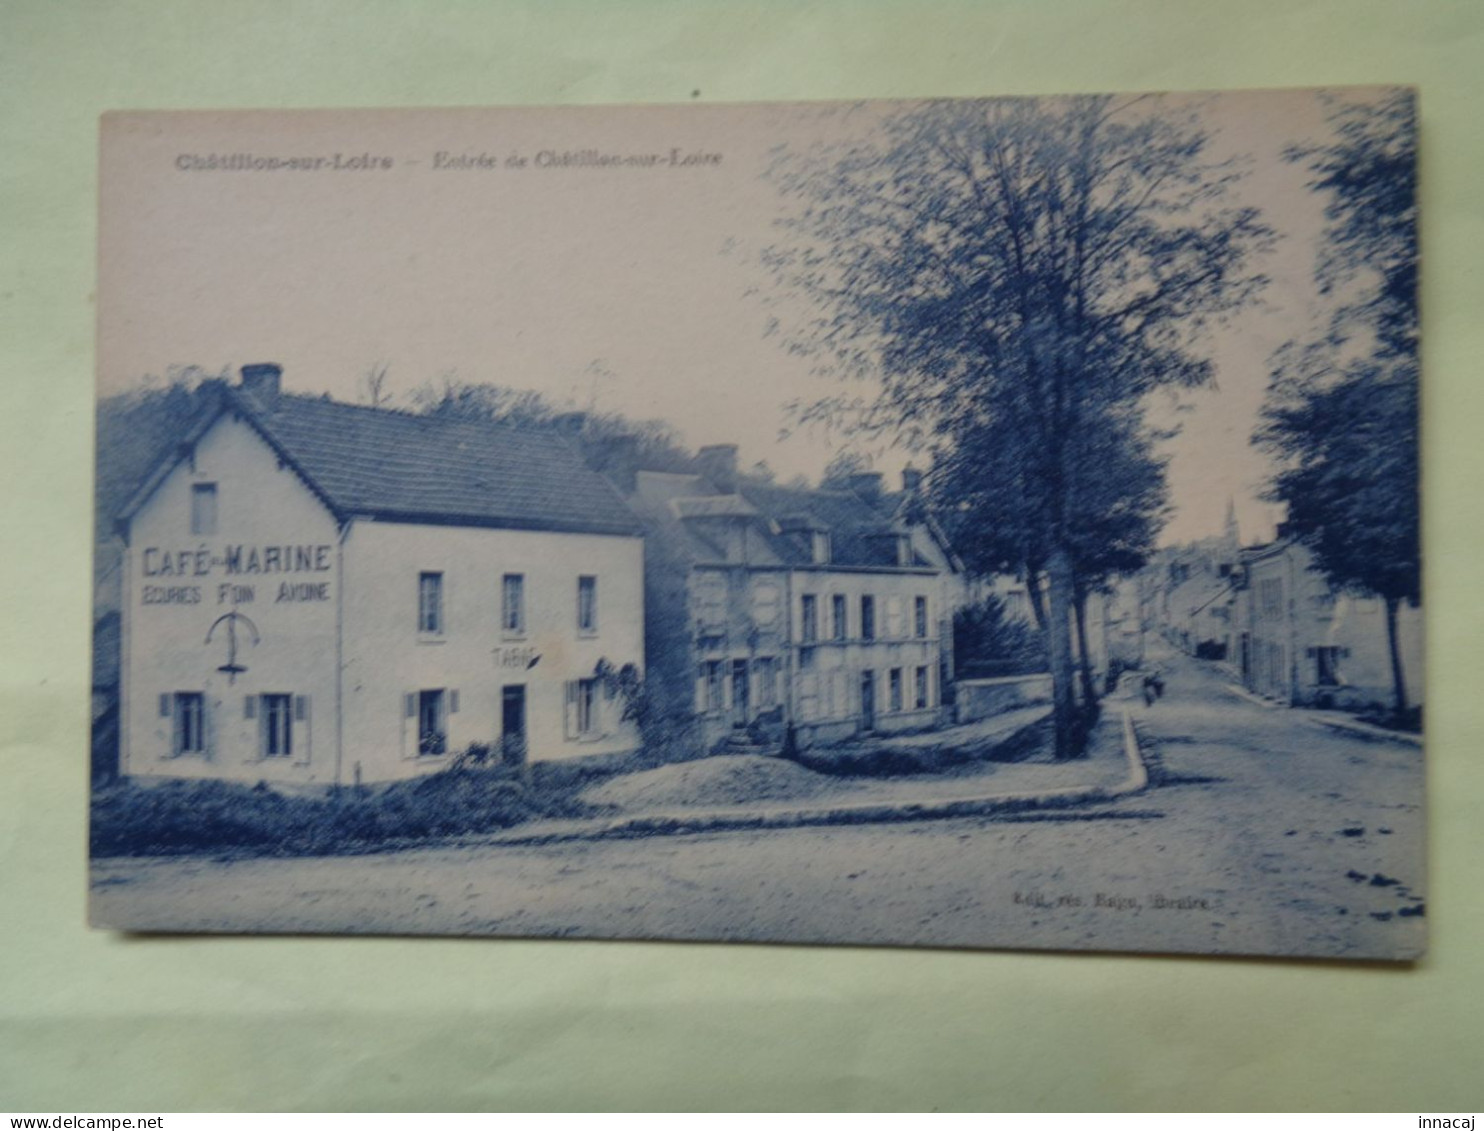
[740, 703]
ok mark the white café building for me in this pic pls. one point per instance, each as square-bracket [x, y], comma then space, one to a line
[318, 593]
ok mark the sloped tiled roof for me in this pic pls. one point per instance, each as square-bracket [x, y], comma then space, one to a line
[397, 466]
[860, 534]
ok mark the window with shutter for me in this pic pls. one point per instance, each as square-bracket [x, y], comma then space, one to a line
[278, 725]
[189, 733]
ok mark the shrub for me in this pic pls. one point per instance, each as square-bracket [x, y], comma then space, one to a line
[210, 816]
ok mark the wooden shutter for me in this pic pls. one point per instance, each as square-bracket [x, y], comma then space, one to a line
[409, 708]
[569, 713]
[302, 734]
[165, 705]
[453, 701]
[250, 707]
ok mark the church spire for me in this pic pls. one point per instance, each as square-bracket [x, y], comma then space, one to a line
[1233, 535]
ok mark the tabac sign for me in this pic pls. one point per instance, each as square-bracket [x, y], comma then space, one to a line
[257, 574]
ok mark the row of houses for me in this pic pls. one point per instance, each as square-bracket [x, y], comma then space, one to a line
[1285, 632]
[312, 593]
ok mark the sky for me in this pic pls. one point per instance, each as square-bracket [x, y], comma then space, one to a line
[493, 246]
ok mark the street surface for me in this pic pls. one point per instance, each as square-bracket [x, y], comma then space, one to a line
[1266, 835]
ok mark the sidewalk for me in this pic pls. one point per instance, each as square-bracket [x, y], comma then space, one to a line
[1113, 768]
[1333, 720]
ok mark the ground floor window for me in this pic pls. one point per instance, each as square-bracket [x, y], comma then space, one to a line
[582, 708]
[894, 689]
[922, 689]
[187, 710]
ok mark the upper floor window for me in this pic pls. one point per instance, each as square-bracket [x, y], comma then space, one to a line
[430, 604]
[513, 604]
[809, 618]
[203, 508]
[920, 618]
[868, 617]
[838, 616]
[587, 604]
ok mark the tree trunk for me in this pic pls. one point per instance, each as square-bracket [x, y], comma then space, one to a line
[1398, 680]
[1084, 669]
[1059, 645]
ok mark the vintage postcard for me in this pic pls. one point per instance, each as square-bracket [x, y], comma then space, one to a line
[974, 523]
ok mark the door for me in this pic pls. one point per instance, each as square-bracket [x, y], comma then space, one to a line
[739, 693]
[868, 700]
[513, 724]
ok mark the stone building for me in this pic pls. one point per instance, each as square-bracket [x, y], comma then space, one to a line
[824, 611]
[1297, 640]
[316, 593]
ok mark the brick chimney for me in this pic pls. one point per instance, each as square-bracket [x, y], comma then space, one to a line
[263, 381]
[718, 463]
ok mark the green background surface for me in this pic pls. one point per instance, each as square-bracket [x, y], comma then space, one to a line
[91, 1021]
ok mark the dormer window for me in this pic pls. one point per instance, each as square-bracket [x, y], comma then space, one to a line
[820, 547]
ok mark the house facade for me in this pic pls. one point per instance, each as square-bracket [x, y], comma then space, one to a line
[805, 609]
[316, 593]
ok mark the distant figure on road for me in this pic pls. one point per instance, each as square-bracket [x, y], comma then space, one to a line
[1154, 687]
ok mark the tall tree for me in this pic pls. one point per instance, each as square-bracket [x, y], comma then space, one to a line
[1014, 275]
[1341, 416]
[657, 445]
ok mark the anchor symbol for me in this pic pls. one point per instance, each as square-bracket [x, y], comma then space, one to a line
[232, 667]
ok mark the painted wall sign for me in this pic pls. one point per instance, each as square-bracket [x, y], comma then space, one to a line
[157, 561]
[518, 657]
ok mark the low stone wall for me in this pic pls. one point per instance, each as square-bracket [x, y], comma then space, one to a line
[976, 699]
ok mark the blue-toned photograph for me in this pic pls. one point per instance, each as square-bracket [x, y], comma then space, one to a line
[959, 523]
